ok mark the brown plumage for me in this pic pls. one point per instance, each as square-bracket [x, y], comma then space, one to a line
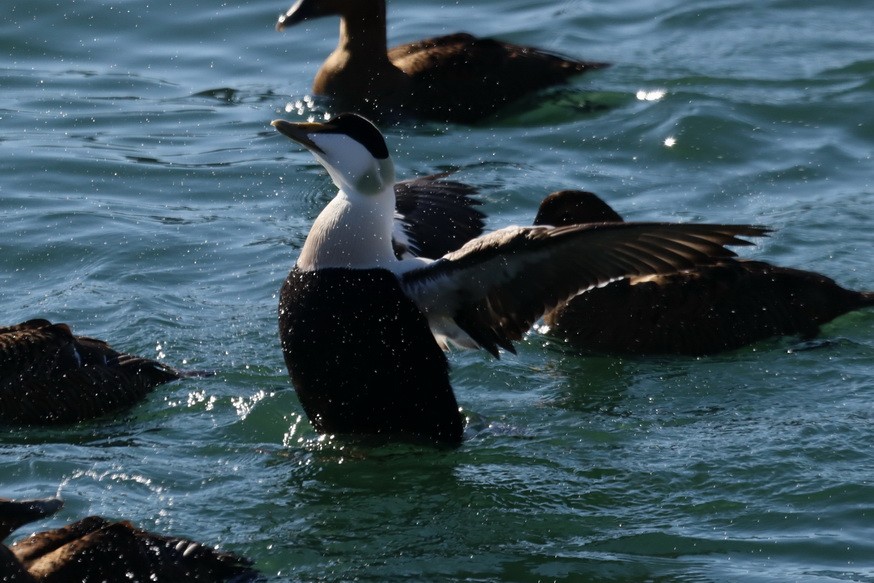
[13, 515]
[455, 78]
[699, 311]
[48, 375]
[97, 550]
[360, 327]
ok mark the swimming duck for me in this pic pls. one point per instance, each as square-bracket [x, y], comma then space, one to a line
[362, 331]
[453, 78]
[708, 309]
[95, 549]
[48, 375]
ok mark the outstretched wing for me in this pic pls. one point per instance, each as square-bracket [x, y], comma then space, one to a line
[495, 287]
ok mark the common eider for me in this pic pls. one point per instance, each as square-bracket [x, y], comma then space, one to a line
[453, 78]
[711, 308]
[95, 549]
[50, 376]
[362, 332]
[13, 515]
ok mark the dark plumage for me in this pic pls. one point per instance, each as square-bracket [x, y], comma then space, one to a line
[338, 326]
[16, 513]
[456, 78]
[96, 550]
[13, 515]
[362, 329]
[435, 216]
[48, 375]
[698, 311]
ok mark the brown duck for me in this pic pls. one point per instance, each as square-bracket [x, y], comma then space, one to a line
[455, 78]
[50, 376]
[98, 550]
[699, 311]
[14, 515]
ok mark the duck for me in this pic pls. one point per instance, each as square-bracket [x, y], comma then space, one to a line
[97, 549]
[457, 78]
[701, 311]
[363, 333]
[13, 515]
[49, 376]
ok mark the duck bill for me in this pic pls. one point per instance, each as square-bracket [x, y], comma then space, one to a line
[300, 132]
[302, 10]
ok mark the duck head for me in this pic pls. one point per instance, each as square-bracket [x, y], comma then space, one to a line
[350, 148]
[310, 9]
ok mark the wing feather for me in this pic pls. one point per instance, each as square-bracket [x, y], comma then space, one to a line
[496, 286]
[434, 216]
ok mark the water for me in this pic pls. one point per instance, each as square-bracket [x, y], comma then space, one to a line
[146, 200]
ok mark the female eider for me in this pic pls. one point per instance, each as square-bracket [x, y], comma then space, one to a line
[454, 78]
[362, 331]
[711, 308]
[50, 376]
[13, 515]
[95, 549]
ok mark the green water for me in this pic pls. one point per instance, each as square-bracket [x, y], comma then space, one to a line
[145, 200]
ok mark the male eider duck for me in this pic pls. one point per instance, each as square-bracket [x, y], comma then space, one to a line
[95, 549]
[705, 310]
[50, 376]
[453, 78]
[362, 331]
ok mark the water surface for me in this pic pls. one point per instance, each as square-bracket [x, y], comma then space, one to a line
[147, 201]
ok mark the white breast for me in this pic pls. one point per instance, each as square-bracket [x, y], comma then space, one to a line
[351, 232]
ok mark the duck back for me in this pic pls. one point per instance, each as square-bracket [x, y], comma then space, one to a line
[463, 78]
[48, 375]
[704, 311]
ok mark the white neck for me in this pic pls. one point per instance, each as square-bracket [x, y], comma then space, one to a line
[352, 232]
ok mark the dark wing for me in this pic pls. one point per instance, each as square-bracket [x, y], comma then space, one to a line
[48, 375]
[434, 216]
[444, 69]
[496, 286]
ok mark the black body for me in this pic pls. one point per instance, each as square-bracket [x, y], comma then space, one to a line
[362, 357]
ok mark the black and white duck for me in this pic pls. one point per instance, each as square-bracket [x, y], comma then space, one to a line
[363, 331]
